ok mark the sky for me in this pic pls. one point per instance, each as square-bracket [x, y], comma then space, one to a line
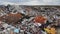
[30, 2]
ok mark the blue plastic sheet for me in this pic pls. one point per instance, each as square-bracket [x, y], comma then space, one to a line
[16, 30]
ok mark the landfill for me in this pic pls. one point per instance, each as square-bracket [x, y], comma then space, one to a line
[17, 19]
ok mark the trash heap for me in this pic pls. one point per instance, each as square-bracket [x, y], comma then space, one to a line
[29, 20]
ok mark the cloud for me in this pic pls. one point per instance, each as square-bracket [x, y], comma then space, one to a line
[42, 2]
[6, 3]
[30, 2]
[33, 2]
[52, 2]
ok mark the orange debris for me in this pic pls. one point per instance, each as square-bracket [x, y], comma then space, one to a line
[39, 19]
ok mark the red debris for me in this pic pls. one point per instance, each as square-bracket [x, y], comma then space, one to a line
[40, 19]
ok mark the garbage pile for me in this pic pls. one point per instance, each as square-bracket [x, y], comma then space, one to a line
[29, 20]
